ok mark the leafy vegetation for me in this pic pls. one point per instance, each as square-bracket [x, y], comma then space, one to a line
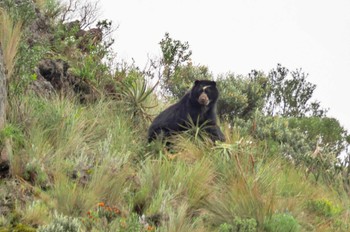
[282, 222]
[74, 155]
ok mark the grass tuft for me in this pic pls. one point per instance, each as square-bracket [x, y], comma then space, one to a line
[10, 37]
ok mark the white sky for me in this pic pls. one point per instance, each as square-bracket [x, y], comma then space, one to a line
[241, 35]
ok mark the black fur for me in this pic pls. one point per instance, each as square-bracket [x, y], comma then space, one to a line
[198, 105]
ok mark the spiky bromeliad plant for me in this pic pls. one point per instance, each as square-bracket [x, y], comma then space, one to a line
[136, 92]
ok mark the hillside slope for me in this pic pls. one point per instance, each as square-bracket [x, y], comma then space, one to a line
[75, 155]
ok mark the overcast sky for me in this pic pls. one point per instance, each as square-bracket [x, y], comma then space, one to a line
[241, 35]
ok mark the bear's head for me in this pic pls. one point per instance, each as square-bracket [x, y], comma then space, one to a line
[204, 92]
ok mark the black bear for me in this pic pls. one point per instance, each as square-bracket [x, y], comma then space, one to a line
[198, 106]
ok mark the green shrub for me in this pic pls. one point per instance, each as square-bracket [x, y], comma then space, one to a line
[291, 141]
[62, 223]
[19, 10]
[225, 227]
[239, 225]
[22, 228]
[329, 129]
[28, 57]
[240, 96]
[18, 228]
[282, 222]
[12, 132]
[323, 207]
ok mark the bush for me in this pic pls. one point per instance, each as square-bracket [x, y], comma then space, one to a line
[332, 134]
[282, 222]
[241, 96]
[62, 223]
[23, 11]
[323, 207]
[291, 142]
[239, 225]
[18, 228]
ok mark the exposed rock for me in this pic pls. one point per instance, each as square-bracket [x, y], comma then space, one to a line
[39, 26]
[86, 38]
[40, 29]
[4, 163]
[72, 25]
[53, 77]
[54, 71]
[41, 86]
[4, 210]
[82, 174]
[89, 37]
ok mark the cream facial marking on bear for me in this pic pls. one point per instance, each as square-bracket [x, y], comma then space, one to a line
[203, 98]
[207, 86]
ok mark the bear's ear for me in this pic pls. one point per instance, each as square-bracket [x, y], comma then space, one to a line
[196, 82]
[213, 83]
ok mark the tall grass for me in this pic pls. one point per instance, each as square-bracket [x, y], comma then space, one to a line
[84, 153]
[10, 36]
[77, 155]
[180, 221]
[246, 195]
[168, 182]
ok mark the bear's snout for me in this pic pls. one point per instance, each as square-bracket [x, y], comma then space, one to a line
[203, 99]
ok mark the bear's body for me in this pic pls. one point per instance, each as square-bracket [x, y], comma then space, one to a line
[198, 106]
